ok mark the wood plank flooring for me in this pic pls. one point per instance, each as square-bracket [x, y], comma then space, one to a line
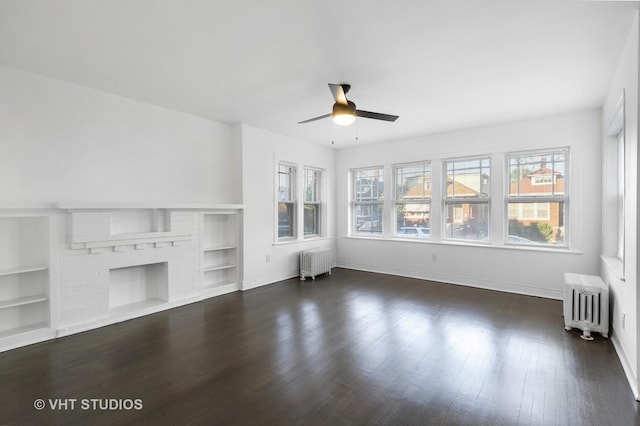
[350, 348]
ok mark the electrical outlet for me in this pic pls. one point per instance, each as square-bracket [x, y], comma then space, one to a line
[624, 320]
[268, 258]
[434, 257]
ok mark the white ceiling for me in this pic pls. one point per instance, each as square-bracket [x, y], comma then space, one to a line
[439, 65]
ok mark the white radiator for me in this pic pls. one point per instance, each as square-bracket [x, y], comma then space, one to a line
[315, 262]
[586, 304]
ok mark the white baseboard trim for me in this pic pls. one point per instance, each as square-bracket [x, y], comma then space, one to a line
[260, 282]
[626, 365]
[27, 338]
[509, 287]
[218, 291]
[66, 330]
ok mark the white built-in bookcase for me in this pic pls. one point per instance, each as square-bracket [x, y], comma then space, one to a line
[25, 298]
[71, 268]
[220, 252]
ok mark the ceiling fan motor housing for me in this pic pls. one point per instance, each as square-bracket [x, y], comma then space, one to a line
[342, 109]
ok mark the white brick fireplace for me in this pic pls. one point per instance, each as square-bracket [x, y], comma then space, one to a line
[111, 263]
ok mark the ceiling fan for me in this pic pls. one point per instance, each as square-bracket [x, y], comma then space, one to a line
[344, 111]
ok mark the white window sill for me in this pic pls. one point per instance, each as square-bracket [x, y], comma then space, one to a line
[301, 240]
[480, 244]
[368, 237]
[615, 266]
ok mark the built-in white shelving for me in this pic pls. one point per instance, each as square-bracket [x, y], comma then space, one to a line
[218, 267]
[66, 268]
[135, 288]
[24, 274]
[20, 301]
[220, 252]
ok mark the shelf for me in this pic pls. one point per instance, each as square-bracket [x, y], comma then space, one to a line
[20, 301]
[218, 267]
[219, 248]
[25, 329]
[25, 205]
[139, 206]
[132, 240]
[23, 270]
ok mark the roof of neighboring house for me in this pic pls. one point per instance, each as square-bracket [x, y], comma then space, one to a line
[460, 189]
[527, 187]
[418, 191]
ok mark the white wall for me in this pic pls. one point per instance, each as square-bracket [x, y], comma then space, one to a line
[624, 294]
[63, 142]
[261, 152]
[527, 271]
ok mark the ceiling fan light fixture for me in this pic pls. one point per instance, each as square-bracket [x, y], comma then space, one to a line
[344, 119]
[344, 115]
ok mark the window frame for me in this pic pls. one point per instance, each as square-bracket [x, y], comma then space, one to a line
[289, 201]
[620, 194]
[551, 198]
[482, 199]
[399, 198]
[315, 200]
[355, 203]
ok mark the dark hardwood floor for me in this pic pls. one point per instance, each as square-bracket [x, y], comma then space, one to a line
[350, 348]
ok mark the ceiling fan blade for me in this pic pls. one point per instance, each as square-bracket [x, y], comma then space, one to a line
[314, 119]
[376, 115]
[339, 92]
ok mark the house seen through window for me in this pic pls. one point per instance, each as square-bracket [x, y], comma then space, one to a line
[537, 197]
[286, 201]
[466, 204]
[413, 199]
[367, 200]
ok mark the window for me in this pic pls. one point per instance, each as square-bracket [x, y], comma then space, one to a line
[413, 199]
[286, 201]
[311, 212]
[614, 190]
[467, 197]
[367, 200]
[620, 196]
[537, 197]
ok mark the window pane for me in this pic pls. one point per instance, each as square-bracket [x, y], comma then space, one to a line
[311, 219]
[467, 221]
[537, 174]
[368, 218]
[368, 185]
[286, 226]
[413, 219]
[468, 178]
[413, 182]
[285, 182]
[620, 197]
[311, 185]
[536, 223]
